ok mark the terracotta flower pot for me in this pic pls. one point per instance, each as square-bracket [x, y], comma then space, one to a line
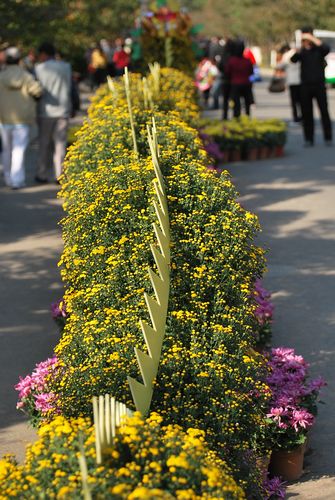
[252, 154]
[272, 152]
[287, 463]
[235, 155]
[263, 465]
[279, 151]
[225, 153]
[263, 153]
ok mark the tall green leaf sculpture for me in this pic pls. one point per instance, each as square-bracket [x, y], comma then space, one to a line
[158, 306]
[107, 411]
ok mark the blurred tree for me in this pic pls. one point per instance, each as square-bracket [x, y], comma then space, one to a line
[262, 21]
[72, 25]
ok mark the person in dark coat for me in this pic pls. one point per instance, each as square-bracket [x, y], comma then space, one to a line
[238, 71]
[226, 53]
[312, 58]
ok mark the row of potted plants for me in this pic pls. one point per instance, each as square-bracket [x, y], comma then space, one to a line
[211, 392]
[293, 405]
[291, 412]
[244, 138]
[209, 380]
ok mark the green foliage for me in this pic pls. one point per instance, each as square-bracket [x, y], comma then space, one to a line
[245, 133]
[72, 26]
[263, 22]
[147, 461]
[209, 376]
[175, 51]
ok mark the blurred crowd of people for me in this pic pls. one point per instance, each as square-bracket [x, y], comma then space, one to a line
[40, 88]
[228, 69]
[227, 72]
[107, 58]
[302, 70]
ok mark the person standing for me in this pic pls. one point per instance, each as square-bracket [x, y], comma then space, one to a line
[18, 93]
[98, 67]
[205, 75]
[238, 71]
[54, 110]
[293, 80]
[312, 59]
[227, 51]
[121, 60]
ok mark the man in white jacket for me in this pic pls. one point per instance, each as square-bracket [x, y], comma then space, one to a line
[54, 109]
[18, 91]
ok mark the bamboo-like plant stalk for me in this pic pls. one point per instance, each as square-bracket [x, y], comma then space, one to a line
[108, 414]
[130, 109]
[84, 472]
[111, 86]
[155, 73]
[145, 92]
[158, 306]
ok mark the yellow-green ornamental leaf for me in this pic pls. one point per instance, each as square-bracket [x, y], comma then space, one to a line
[148, 363]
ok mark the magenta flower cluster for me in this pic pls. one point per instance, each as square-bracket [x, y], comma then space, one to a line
[212, 148]
[34, 394]
[293, 403]
[265, 308]
[274, 488]
[58, 309]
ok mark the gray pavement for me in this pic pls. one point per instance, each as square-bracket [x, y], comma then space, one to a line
[30, 248]
[294, 198]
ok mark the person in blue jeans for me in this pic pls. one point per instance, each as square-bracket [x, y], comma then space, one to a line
[18, 93]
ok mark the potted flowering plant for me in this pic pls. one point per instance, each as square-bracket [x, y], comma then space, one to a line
[35, 397]
[212, 149]
[292, 410]
[274, 488]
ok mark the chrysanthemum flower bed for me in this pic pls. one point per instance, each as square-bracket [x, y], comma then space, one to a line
[147, 461]
[210, 378]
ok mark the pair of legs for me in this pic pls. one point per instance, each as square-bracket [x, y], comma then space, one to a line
[51, 131]
[226, 90]
[205, 96]
[216, 91]
[308, 93]
[15, 139]
[238, 92]
[295, 97]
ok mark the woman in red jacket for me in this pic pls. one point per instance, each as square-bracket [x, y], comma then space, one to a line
[238, 70]
[121, 59]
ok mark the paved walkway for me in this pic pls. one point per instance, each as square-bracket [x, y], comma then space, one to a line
[30, 248]
[294, 198]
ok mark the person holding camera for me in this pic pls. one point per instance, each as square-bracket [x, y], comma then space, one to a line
[312, 58]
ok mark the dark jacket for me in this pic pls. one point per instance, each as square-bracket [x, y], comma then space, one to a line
[239, 70]
[312, 64]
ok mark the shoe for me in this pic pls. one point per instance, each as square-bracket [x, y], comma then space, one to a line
[18, 187]
[40, 180]
[329, 142]
[309, 144]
